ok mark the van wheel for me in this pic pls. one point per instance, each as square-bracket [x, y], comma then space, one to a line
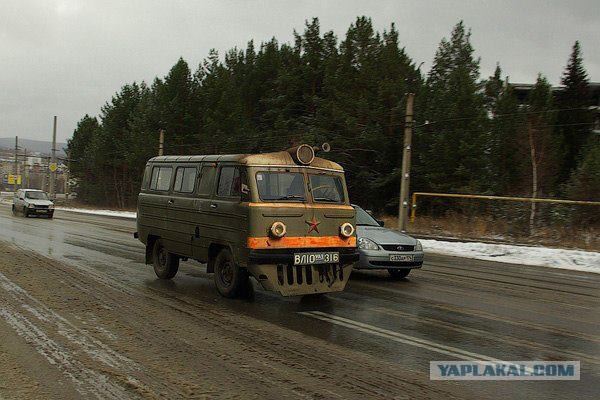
[165, 264]
[25, 212]
[230, 279]
[14, 210]
[398, 273]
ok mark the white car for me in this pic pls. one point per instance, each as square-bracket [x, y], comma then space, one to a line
[32, 202]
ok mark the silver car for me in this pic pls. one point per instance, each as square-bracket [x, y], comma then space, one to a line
[32, 202]
[383, 248]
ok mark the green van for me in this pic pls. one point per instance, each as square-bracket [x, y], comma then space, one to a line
[283, 218]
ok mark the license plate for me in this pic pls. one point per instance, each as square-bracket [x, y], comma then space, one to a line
[402, 257]
[42, 211]
[316, 258]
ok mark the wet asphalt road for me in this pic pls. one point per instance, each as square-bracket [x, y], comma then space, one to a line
[452, 309]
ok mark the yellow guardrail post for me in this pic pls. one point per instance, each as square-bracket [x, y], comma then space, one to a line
[413, 208]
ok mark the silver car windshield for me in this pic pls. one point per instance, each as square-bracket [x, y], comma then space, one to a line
[36, 195]
[363, 218]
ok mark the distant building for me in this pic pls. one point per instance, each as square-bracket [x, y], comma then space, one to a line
[522, 90]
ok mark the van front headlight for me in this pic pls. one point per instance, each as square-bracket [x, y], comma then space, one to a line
[367, 244]
[346, 229]
[278, 229]
[51, 206]
[30, 205]
[418, 246]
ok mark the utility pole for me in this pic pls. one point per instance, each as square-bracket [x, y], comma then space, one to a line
[25, 178]
[66, 177]
[44, 172]
[53, 163]
[405, 178]
[16, 166]
[161, 142]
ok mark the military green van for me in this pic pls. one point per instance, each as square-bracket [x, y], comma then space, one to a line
[283, 218]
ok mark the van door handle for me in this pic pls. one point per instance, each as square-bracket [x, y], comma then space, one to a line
[171, 201]
[213, 205]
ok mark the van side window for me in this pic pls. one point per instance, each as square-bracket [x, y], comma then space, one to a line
[146, 178]
[185, 179]
[206, 181]
[229, 182]
[161, 178]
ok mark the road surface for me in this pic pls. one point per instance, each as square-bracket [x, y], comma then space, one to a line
[81, 316]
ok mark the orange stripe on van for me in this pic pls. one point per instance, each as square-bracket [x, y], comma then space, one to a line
[300, 242]
[302, 205]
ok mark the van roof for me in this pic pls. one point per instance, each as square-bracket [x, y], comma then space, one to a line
[280, 158]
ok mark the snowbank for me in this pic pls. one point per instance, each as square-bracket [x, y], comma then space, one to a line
[110, 213]
[528, 255]
[577, 260]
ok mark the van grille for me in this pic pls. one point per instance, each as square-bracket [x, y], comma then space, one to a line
[41, 206]
[308, 274]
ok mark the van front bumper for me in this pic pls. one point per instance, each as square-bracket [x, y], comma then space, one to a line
[275, 271]
[286, 256]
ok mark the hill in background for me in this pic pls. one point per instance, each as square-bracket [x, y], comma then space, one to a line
[33, 146]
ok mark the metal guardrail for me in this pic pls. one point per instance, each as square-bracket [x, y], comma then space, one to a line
[413, 211]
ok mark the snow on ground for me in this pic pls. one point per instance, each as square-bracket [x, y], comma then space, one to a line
[110, 213]
[577, 260]
[528, 255]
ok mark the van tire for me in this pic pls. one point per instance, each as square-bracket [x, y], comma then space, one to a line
[165, 263]
[231, 280]
[25, 212]
[14, 210]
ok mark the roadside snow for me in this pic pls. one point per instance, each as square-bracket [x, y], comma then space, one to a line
[577, 260]
[110, 213]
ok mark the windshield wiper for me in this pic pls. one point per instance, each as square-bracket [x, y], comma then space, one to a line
[326, 199]
[290, 197]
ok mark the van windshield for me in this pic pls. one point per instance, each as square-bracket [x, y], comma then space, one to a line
[327, 189]
[36, 195]
[281, 186]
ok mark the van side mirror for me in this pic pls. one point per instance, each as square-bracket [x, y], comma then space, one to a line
[245, 192]
[380, 222]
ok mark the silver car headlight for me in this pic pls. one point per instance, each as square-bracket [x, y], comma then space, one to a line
[367, 244]
[51, 206]
[418, 246]
[30, 205]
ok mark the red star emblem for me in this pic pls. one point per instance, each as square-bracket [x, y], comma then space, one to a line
[313, 225]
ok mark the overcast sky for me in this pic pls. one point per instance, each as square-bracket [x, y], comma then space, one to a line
[67, 57]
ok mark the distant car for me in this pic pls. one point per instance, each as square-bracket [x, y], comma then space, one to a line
[32, 202]
[383, 248]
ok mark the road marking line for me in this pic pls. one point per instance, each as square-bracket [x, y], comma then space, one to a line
[400, 337]
[406, 339]
[513, 341]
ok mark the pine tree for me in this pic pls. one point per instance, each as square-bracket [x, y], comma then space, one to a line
[506, 162]
[80, 151]
[456, 138]
[575, 121]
